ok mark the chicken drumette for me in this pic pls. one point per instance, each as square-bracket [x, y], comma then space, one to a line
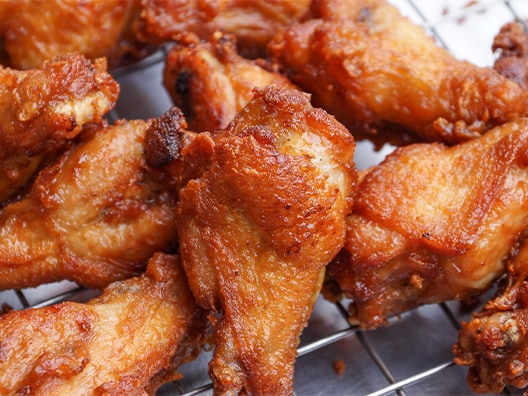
[257, 228]
[211, 83]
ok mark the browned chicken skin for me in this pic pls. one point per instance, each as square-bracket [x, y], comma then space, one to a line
[43, 108]
[126, 341]
[494, 342]
[387, 80]
[263, 200]
[211, 83]
[256, 230]
[253, 23]
[433, 223]
[511, 47]
[95, 216]
[34, 31]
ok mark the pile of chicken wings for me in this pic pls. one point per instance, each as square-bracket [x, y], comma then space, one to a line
[219, 223]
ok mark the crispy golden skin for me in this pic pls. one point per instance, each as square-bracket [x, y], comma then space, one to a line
[494, 342]
[43, 108]
[434, 223]
[95, 216]
[387, 80]
[511, 47]
[252, 22]
[256, 230]
[126, 341]
[211, 83]
[34, 31]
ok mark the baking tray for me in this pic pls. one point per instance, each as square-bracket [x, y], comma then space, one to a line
[412, 355]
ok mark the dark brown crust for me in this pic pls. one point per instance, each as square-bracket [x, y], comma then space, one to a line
[256, 230]
[104, 345]
[360, 64]
[433, 223]
[44, 108]
[511, 47]
[95, 216]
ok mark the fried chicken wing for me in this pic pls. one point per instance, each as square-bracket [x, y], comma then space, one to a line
[511, 47]
[494, 342]
[388, 81]
[211, 83]
[252, 22]
[33, 31]
[433, 223]
[256, 230]
[125, 341]
[43, 108]
[95, 216]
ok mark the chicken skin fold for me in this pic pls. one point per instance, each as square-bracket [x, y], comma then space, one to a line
[386, 80]
[257, 228]
[494, 343]
[43, 108]
[126, 341]
[433, 223]
[95, 216]
[253, 23]
[211, 83]
[33, 31]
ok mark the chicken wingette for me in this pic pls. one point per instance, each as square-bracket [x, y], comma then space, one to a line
[33, 31]
[253, 23]
[129, 340]
[386, 80]
[42, 109]
[433, 223]
[94, 216]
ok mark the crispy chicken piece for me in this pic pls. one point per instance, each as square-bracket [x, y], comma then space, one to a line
[494, 343]
[42, 109]
[94, 217]
[433, 223]
[256, 230]
[211, 83]
[252, 22]
[511, 47]
[33, 31]
[126, 341]
[388, 81]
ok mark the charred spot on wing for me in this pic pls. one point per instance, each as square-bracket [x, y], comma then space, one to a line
[163, 138]
[181, 84]
[181, 87]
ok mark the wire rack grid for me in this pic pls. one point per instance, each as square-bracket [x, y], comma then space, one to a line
[410, 356]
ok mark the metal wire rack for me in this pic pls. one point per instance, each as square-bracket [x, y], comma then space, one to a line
[410, 356]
